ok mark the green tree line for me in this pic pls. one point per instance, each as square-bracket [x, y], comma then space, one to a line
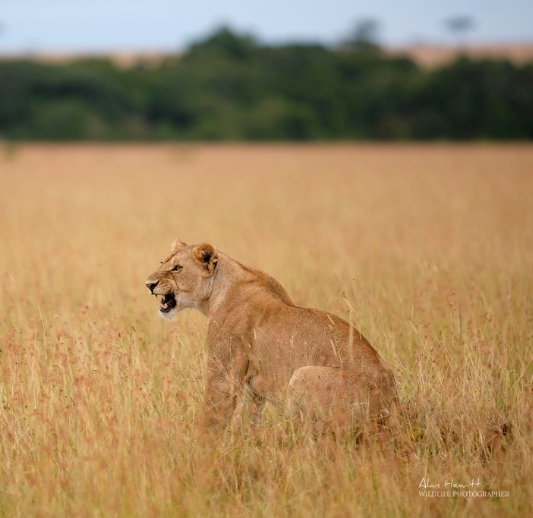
[230, 87]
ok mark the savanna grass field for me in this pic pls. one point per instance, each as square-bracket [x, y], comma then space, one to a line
[427, 248]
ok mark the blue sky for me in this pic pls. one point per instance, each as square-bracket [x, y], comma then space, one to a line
[107, 25]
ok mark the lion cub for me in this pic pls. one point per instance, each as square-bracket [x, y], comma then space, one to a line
[264, 348]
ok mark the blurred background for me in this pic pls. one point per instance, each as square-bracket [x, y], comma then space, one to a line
[119, 70]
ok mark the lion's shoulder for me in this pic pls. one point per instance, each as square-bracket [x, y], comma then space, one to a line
[262, 284]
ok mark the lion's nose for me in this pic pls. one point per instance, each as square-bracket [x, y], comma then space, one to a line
[151, 285]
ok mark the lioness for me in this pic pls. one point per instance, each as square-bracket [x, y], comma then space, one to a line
[261, 346]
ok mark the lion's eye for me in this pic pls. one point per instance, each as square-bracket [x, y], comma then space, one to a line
[176, 268]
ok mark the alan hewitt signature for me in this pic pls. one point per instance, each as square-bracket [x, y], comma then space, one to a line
[451, 488]
[449, 484]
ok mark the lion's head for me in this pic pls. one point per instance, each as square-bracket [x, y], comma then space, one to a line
[184, 279]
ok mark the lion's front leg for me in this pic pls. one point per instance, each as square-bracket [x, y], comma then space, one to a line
[248, 410]
[224, 384]
[253, 404]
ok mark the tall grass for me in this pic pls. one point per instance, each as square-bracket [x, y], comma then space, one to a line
[432, 247]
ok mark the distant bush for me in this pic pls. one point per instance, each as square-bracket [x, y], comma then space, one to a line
[229, 87]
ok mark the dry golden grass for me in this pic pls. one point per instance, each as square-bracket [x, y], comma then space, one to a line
[425, 55]
[433, 56]
[431, 245]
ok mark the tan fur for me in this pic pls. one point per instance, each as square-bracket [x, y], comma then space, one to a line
[262, 347]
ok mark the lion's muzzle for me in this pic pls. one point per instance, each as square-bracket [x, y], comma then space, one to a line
[151, 285]
[168, 302]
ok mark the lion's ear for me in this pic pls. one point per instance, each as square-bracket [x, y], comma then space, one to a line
[206, 255]
[176, 244]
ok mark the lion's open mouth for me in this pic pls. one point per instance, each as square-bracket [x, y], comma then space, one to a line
[168, 302]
